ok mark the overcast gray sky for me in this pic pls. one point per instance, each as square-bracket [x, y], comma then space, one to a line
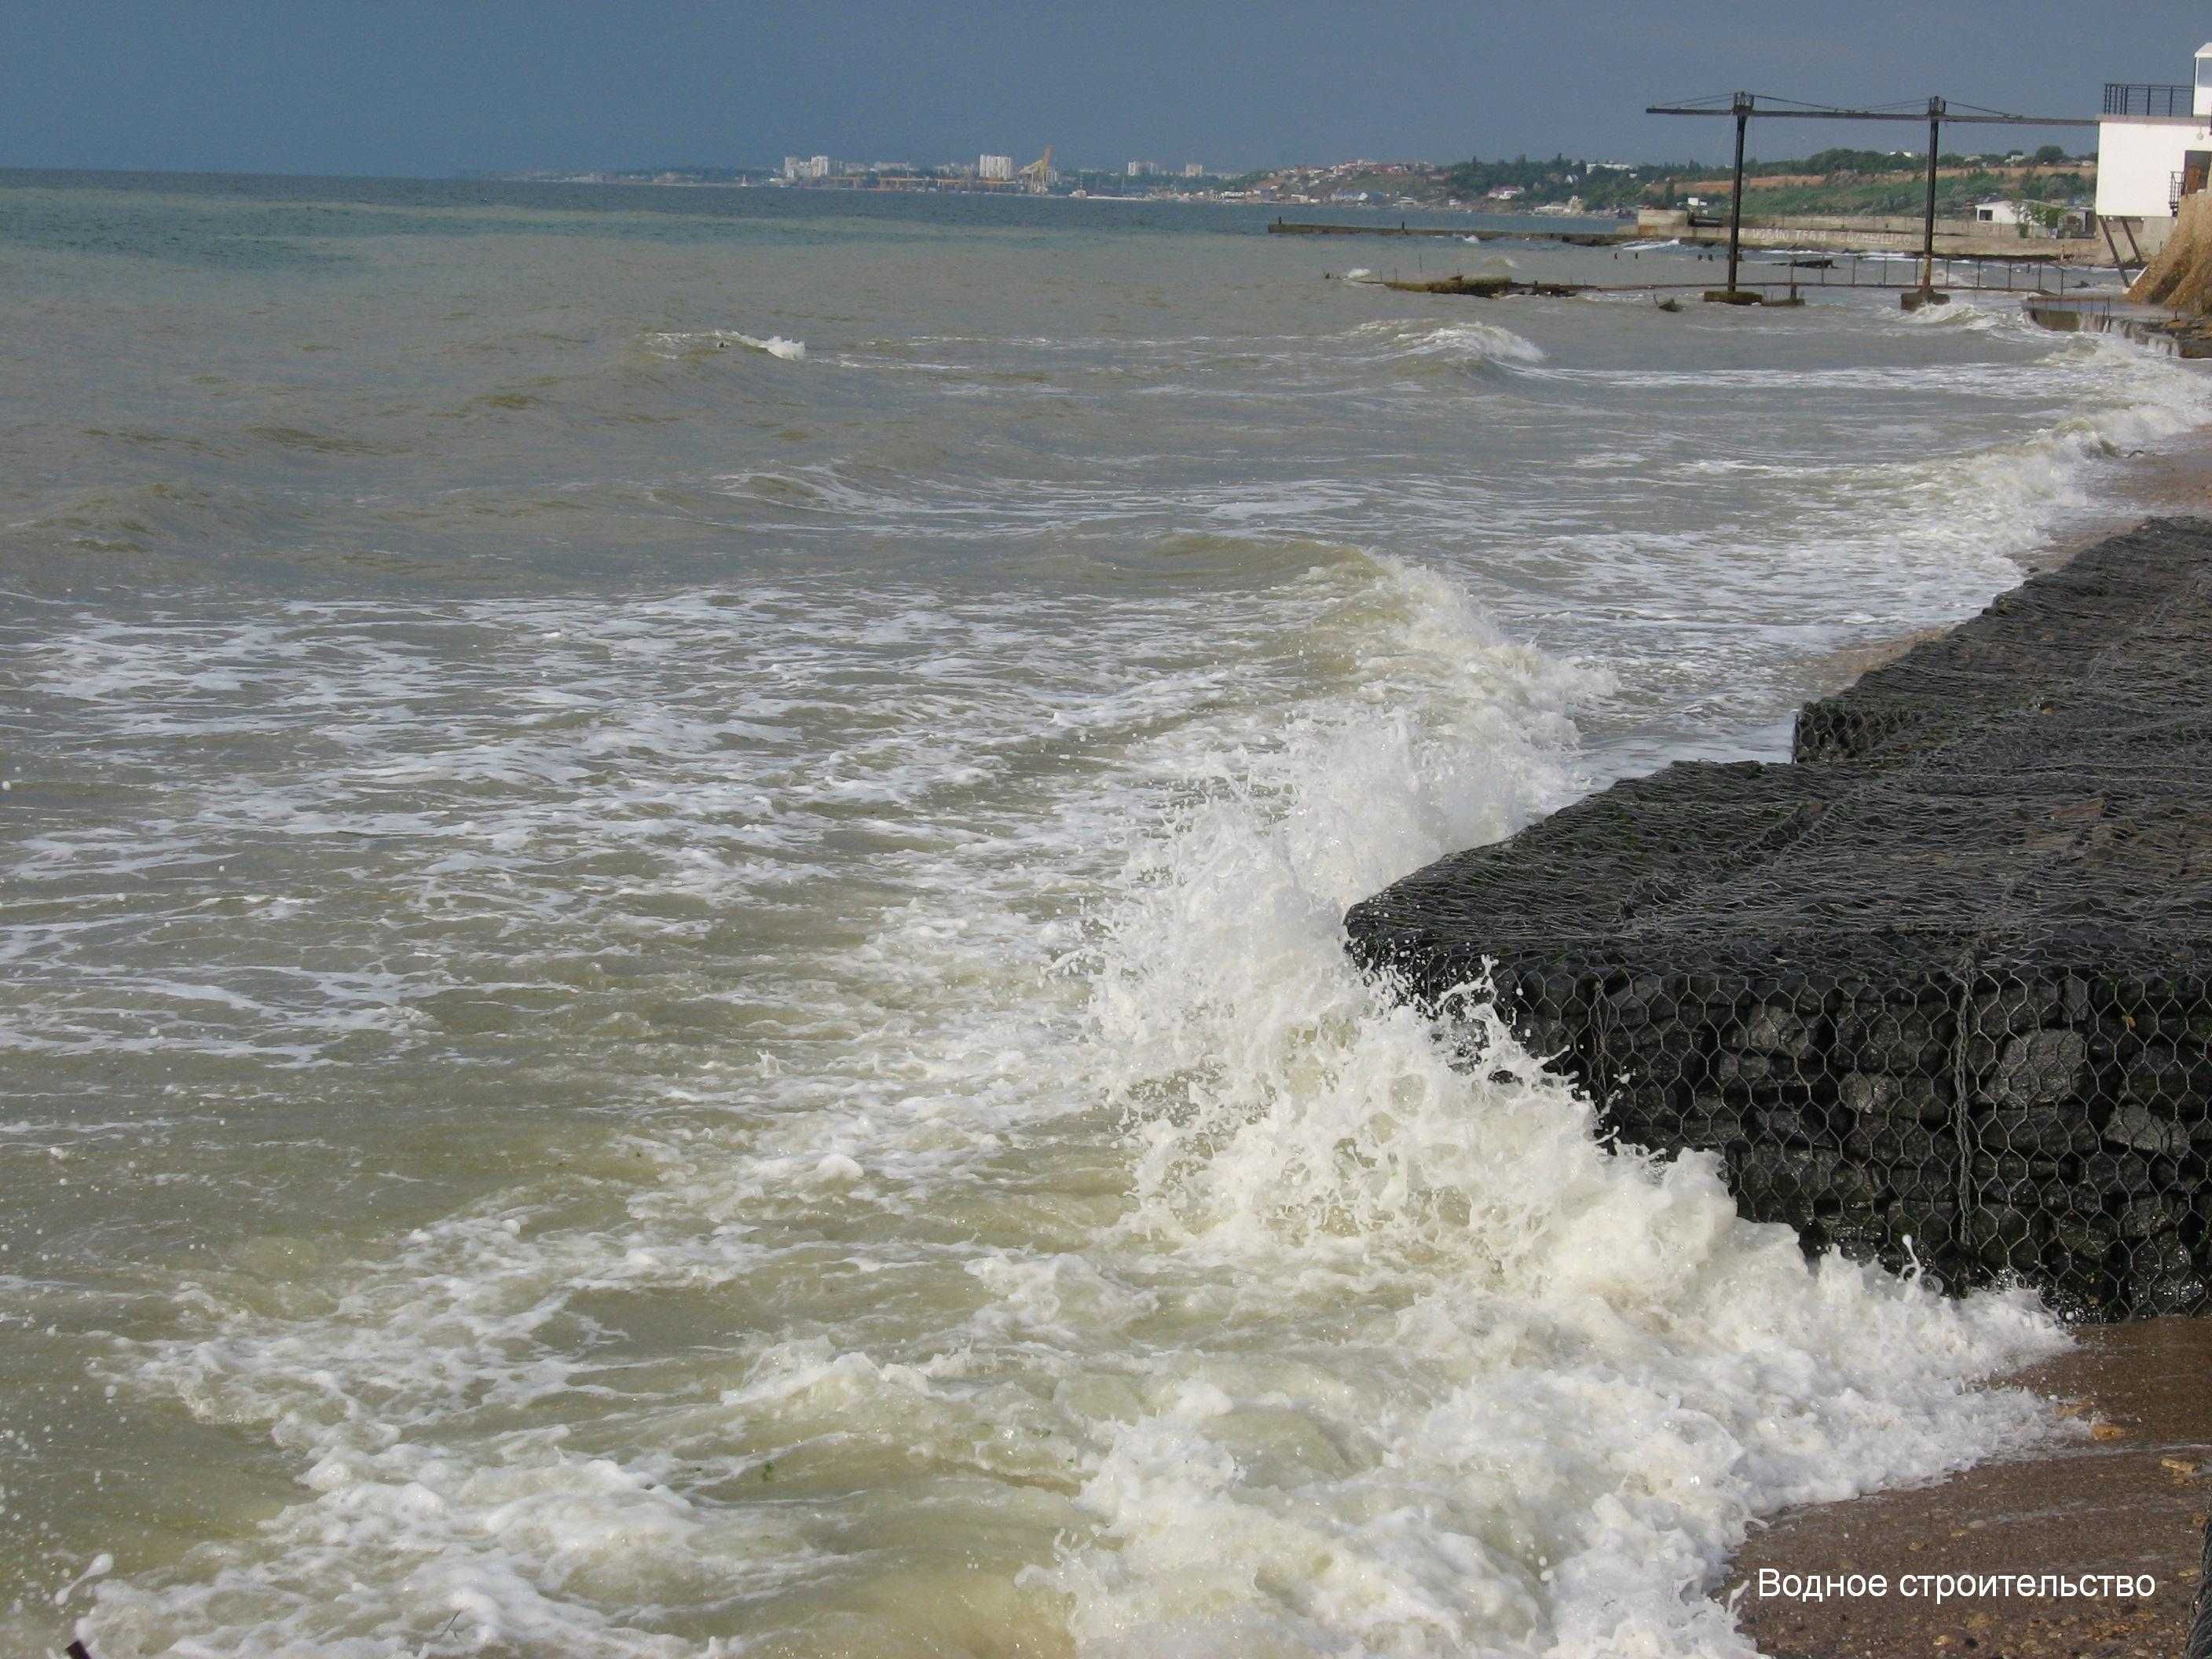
[436, 87]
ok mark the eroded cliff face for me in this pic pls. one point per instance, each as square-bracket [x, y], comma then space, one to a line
[2181, 275]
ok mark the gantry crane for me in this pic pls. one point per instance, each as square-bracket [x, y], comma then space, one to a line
[1745, 105]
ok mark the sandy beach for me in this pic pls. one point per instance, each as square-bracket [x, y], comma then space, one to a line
[2124, 1491]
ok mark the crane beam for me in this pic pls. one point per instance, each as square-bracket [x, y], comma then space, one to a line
[1743, 107]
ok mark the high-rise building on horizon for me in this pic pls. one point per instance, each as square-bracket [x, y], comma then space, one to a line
[999, 168]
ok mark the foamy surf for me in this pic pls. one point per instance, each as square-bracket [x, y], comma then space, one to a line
[1413, 339]
[698, 342]
[704, 1011]
[1488, 1272]
[1335, 1346]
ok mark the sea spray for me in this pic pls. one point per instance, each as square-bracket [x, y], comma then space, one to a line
[698, 342]
[1425, 1266]
[701, 1001]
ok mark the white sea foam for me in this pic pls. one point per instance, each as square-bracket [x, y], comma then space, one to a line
[1363, 1353]
[1451, 340]
[932, 1181]
[775, 345]
[699, 341]
[1488, 1271]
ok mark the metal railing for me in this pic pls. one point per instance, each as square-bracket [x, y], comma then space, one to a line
[2049, 278]
[2146, 98]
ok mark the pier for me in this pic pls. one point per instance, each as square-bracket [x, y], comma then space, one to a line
[2062, 290]
[2175, 333]
[1938, 990]
[1280, 227]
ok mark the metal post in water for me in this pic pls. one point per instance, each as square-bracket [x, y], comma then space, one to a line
[1935, 107]
[1743, 108]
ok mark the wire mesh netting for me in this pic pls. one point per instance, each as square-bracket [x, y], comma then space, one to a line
[1937, 991]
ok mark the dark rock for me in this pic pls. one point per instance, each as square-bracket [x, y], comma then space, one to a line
[1879, 1094]
[2013, 1178]
[1905, 1038]
[1732, 1066]
[2012, 1009]
[1907, 1144]
[1929, 1183]
[2161, 1295]
[2037, 1130]
[1931, 1227]
[2160, 1076]
[1713, 1125]
[2137, 1126]
[2090, 1237]
[2040, 1067]
[2125, 1173]
[2146, 1217]
[1773, 1029]
[1965, 957]
[2003, 1236]
[2160, 1256]
[1786, 1176]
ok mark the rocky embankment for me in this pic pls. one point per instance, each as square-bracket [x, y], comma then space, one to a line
[1938, 989]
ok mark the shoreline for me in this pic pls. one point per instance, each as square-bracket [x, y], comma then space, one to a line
[2124, 1491]
[1799, 968]
[2139, 1498]
[2174, 479]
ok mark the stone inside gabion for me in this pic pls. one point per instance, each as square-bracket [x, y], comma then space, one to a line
[1939, 990]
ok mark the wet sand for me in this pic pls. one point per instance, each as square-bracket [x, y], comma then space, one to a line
[2125, 1492]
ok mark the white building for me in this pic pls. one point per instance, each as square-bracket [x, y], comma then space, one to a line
[1001, 167]
[2154, 147]
[1998, 213]
[1194, 169]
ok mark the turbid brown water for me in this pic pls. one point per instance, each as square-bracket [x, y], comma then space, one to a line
[668, 992]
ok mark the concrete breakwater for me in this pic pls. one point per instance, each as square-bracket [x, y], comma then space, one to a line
[2156, 330]
[1937, 990]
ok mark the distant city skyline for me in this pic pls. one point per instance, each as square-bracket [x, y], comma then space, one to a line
[439, 86]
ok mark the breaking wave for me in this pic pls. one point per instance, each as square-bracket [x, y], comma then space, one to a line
[698, 342]
[1172, 1289]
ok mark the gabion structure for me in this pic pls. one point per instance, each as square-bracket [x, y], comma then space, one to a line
[1939, 989]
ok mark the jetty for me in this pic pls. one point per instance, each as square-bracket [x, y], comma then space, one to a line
[2057, 297]
[1962, 238]
[1281, 227]
[2173, 333]
[1489, 288]
[1938, 989]
[2168, 307]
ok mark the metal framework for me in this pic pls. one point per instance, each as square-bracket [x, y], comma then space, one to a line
[1743, 106]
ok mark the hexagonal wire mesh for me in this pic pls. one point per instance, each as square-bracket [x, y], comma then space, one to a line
[1987, 1121]
[1940, 991]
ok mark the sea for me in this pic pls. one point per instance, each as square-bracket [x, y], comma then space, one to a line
[671, 873]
